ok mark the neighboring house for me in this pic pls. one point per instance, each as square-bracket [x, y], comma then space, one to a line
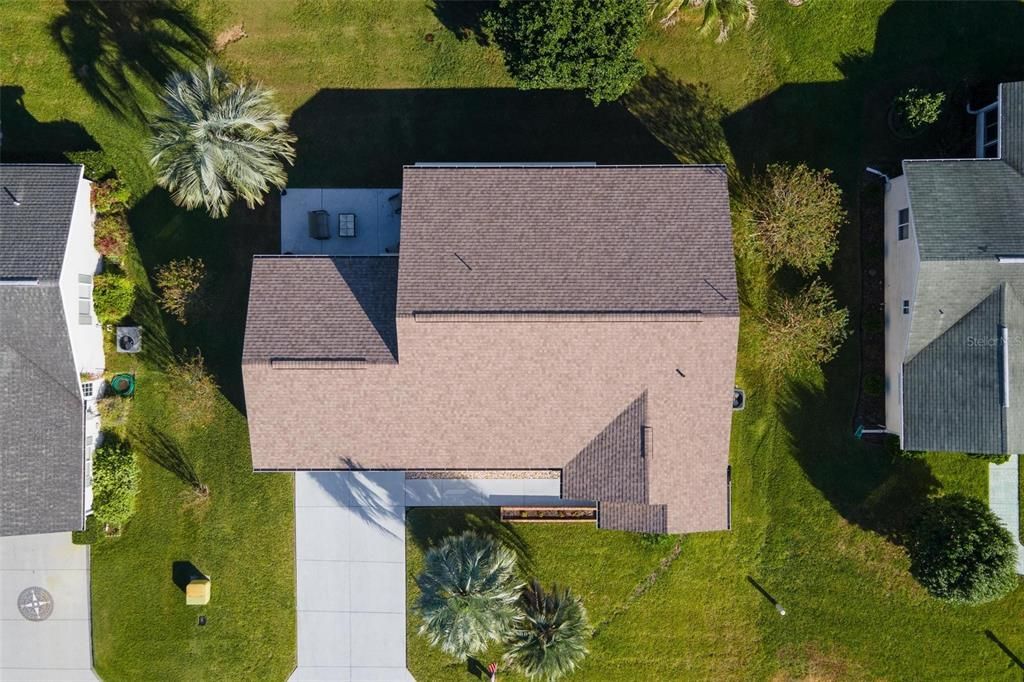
[51, 348]
[954, 292]
[576, 318]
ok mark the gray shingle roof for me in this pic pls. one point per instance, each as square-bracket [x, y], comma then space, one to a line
[318, 308]
[954, 387]
[41, 452]
[591, 239]
[1011, 115]
[34, 234]
[966, 209]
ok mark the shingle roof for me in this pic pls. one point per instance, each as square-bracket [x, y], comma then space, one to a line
[953, 389]
[34, 234]
[966, 209]
[1011, 134]
[322, 309]
[41, 452]
[586, 380]
[586, 238]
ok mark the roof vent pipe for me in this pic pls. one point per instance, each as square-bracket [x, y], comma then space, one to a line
[14, 199]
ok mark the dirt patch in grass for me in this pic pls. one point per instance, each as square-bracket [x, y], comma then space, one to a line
[228, 36]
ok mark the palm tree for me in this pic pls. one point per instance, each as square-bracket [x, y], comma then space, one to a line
[727, 15]
[551, 638]
[468, 593]
[218, 140]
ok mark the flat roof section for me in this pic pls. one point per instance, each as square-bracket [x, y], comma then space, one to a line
[377, 221]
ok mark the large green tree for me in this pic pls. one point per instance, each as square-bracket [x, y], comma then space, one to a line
[550, 640]
[217, 141]
[960, 551]
[574, 44]
[468, 593]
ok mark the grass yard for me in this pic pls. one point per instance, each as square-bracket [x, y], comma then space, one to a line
[373, 85]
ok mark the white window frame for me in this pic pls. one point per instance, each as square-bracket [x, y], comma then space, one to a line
[902, 228]
[906, 306]
[85, 299]
[88, 390]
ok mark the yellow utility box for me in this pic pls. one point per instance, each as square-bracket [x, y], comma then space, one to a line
[197, 593]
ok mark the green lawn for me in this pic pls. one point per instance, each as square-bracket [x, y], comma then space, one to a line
[372, 85]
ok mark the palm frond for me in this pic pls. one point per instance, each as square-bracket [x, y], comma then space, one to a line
[468, 593]
[550, 639]
[216, 141]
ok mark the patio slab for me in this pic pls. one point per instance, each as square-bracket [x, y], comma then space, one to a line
[377, 221]
[1004, 500]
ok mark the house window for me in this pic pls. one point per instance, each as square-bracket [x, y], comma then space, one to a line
[86, 389]
[85, 299]
[903, 224]
[990, 133]
[906, 307]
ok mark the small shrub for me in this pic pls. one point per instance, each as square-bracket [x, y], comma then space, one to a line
[805, 331]
[914, 109]
[960, 552]
[97, 165]
[111, 235]
[178, 282]
[993, 459]
[195, 389]
[874, 385]
[113, 297]
[110, 196]
[115, 482]
[90, 535]
[114, 411]
[657, 540]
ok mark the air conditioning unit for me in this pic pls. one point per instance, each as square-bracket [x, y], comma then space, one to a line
[129, 339]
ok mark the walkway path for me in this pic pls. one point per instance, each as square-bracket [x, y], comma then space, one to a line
[44, 576]
[1004, 499]
[350, 563]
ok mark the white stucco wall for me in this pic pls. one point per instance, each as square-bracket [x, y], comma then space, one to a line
[902, 264]
[81, 258]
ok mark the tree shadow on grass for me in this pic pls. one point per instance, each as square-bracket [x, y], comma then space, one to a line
[161, 449]
[428, 526]
[28, 140]
[123, 52]
[464, 18]
[685, 118]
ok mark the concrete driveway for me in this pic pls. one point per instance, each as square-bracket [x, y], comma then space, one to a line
[350, 562]
[44, 609]
[350, 573]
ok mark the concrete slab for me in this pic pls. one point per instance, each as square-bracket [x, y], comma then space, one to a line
[350, 591]
[378, 640]
[377, 221]
[1004, 500]
[60, 647]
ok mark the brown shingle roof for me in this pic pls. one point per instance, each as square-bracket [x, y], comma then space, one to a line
[589, 238]
[581, 390]
[321, 309]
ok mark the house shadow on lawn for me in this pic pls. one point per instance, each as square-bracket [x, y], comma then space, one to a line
[28, 140]
[362, 138]
[428, 526]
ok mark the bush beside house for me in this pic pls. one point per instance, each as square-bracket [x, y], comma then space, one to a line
[113, 297]
[115, 482]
